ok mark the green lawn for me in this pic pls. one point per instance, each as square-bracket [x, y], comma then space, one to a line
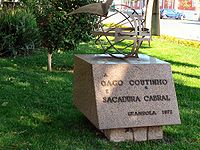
[36, 110]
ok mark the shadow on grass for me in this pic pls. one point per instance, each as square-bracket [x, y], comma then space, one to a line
[36, 112]
[181, 64]
[186, 75]
[176, 63]
[92, 48]
[59, 124]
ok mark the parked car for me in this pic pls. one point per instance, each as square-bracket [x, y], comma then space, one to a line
[171, 13]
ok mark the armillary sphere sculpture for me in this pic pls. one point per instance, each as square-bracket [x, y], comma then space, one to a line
[124, 26]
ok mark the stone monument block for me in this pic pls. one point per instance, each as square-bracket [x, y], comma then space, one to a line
[140, 134]
[125, 93]
[119, 135]
[155, 133]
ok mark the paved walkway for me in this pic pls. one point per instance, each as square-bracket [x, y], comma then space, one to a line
[181, 28]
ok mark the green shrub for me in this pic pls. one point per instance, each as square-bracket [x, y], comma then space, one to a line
[58, 30]
[19, 34]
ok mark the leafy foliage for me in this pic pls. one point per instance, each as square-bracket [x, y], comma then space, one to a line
[19, 33]
[58, 30]
[20, 30]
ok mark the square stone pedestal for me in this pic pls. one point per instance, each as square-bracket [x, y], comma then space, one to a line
[126, 97]
[134, 134]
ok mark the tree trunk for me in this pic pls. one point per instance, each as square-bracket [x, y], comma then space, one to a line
[49, 68]
[1, 2]
[152, 16]
[199, 12]
[155, 29]
[148, 13]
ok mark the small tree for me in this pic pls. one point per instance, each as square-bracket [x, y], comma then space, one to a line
[58, 30]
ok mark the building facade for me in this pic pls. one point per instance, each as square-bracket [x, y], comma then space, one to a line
[179, 4]
[191, 8]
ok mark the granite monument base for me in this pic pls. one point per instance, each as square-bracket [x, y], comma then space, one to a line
[127, 99]
[134, 134]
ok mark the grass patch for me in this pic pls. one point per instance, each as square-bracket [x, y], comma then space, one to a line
[180, 41]
[36, 110]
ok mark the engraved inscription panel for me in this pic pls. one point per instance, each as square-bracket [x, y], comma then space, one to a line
[135, 95]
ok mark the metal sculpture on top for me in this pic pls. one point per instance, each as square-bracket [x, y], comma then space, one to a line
[124, 26]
